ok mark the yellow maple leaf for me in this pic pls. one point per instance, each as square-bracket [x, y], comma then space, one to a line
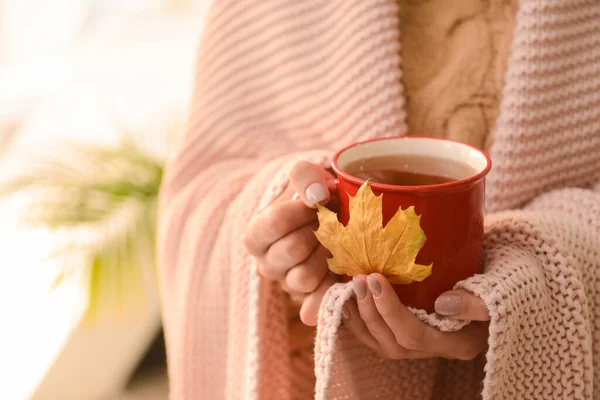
[365, 246]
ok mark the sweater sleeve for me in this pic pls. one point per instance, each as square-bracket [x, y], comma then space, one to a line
[541, 280]
[202, 262]
[264, 96]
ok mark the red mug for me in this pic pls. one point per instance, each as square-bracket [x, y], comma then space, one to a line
[451, 213]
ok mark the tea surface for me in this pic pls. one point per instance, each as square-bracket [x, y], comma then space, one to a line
[403, 170]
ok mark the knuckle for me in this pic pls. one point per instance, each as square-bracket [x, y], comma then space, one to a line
[249, 242]
[267, 271]
[262, 270]
[295, 250]
[299, 168]
[304, 279]
[311, 283]
[249, 238]
[275, 225]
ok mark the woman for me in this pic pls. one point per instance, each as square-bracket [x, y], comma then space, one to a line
[281, 84]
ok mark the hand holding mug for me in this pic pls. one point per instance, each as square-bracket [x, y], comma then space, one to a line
[281, 238]
[380, 321]
[445, 182]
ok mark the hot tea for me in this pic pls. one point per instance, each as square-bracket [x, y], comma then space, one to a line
[409, 170]
[451, 214]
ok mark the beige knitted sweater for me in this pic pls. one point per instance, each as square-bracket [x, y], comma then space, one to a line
[454, 60]
[279, 81]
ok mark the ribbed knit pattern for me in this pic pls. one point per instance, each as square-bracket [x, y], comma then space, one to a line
[279, 81]
[547, 133]
[541, 287]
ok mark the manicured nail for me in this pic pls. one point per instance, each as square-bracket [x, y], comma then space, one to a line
[359, 288]
[448, 304]
[295, 196]
[345, 312]
[316, 193]
[374, 286]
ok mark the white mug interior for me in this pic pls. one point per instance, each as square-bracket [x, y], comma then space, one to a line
[417, 147]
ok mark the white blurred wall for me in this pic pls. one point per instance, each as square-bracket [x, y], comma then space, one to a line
[32, 30]
[79, 69]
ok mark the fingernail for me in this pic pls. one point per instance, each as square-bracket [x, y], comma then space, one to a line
[345, 312]
[359, 288]
[295, 196]
[316, 193]
[374, 286]
[448, 304]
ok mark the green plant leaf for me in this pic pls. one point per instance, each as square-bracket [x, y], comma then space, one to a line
[105, 198]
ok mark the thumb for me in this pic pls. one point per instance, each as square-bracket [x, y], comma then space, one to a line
[460, 304]
[310, 182]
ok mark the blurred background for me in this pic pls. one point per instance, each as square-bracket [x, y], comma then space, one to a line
[92, 94]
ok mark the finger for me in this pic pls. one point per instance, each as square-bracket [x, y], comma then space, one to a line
[274, 223]
[467, 343]
[310, 181]
[310, 308]
[413, 334]
[306, 276]
[332, 185]
[375, 323]
[460, 304]
[290, 250]
[289, 193]
[355, 324]
[407, 330]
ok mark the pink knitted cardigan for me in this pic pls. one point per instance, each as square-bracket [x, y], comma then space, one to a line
[284, 80]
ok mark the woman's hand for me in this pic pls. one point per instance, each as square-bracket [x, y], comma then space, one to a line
[281, 237]
[380, 321]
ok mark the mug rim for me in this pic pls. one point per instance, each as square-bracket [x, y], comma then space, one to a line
[384, 187]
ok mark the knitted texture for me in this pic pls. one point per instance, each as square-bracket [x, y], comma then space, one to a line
[547, 132]
[330, 315]
[540, 280]
[279, 81]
